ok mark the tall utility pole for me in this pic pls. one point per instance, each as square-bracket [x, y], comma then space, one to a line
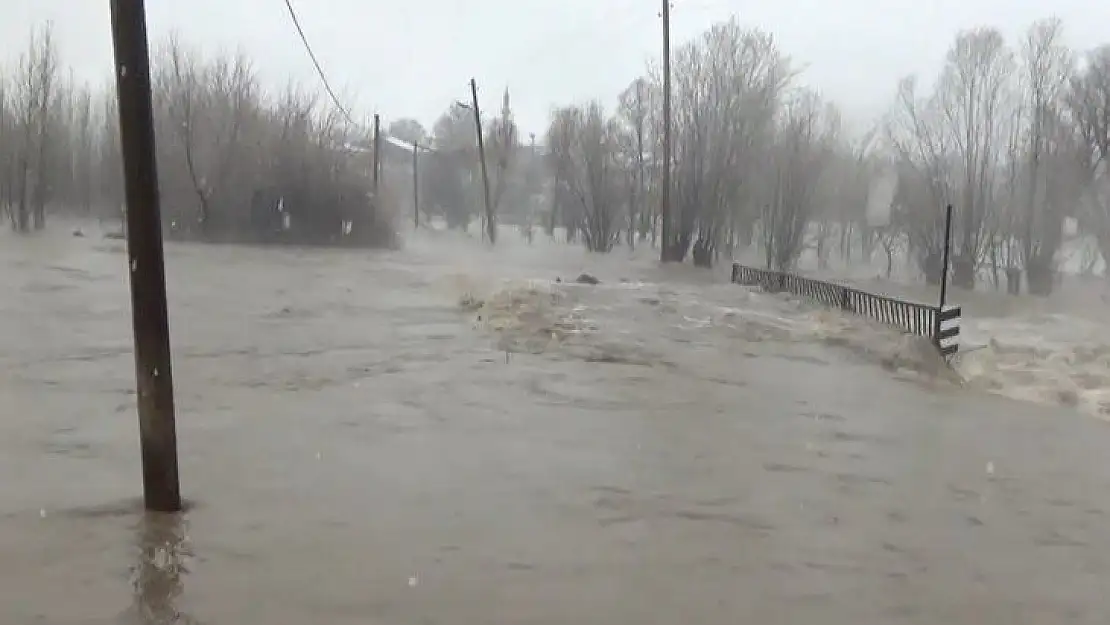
[149, 316]
[377, 152]
[415, 188]
[491, 223]
[666, 254]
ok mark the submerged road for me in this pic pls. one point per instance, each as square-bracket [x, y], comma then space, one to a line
[361, 448]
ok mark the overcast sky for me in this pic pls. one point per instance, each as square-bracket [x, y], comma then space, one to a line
[411, 58]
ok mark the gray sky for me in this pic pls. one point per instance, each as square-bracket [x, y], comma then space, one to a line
[413, 57]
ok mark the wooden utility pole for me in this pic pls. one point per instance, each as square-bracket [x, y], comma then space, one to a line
[377, 153]
[666, 253]
[149, 317]
[415, 188]
[491, 223]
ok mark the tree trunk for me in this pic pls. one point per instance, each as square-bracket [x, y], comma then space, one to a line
[933, 269]
[38, 215]
[23, 211]
[1013, 281]
[963, 272]
[1040, 276]
[703, 253]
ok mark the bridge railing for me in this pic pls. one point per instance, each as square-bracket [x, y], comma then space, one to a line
[941, 326]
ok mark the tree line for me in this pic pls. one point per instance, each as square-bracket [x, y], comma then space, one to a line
[235, 161]
[1015, 136]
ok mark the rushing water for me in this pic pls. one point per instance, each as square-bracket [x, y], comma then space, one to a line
[447, 434]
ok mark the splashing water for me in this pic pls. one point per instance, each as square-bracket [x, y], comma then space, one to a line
[1050, 359]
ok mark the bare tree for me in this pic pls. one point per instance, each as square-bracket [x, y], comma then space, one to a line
[927, 175]
[560, 142]
[451, 183]
[801, 153]
[586, 153]
[836, 180]
[972, 93]
[1046, 69]
[1088, 101]
[178, 91]
[207, 104]
[951, 145]
[854, 165]
[7, 151]
[84, 157]
[727, 90]
[34, 84]
[632, 111]
[44, 57]
[109, 167]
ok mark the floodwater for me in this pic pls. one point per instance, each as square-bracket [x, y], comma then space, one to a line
[444, 434]
[1053, 351]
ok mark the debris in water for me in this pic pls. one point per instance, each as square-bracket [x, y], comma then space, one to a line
[78, 233]
[586, 278]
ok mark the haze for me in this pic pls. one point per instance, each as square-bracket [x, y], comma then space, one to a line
[736, 363]
[412, 58]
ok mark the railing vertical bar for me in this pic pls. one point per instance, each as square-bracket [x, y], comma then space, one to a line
[910, 317]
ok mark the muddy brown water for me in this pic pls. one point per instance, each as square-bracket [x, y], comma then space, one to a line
[358, 447]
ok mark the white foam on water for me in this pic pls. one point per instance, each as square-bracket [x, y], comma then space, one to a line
[1051, 359]
[751, 316]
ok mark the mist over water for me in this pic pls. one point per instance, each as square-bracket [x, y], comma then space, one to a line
[1046, 350]
[444, 431]
[428, 432]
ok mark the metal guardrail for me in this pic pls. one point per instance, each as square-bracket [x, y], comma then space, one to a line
[941, 325]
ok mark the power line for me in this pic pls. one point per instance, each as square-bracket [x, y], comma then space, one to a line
[316, 63]
[327, 84]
